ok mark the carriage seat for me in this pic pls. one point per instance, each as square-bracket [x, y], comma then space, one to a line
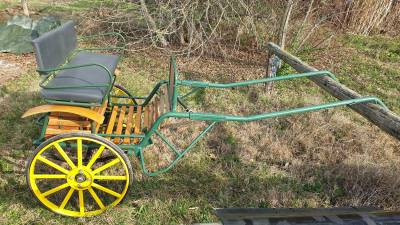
[53, 50]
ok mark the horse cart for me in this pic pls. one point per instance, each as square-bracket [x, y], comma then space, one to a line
[89, 125]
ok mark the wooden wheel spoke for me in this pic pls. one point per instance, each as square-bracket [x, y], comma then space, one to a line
[110, 178]
[95, 156]
[81, 202]
[66, 199]
[49, 176]
[54, 190]
[79, 152]
[96, 198]
[106, 190]
[64, 155]
[105, 166]
[51, 164]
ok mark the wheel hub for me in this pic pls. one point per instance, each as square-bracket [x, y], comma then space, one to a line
[80, 179]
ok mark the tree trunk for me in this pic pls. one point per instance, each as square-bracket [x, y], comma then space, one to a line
[152, 24]
[25, 7]
[387, 120]
[285, 24]
[273, 63]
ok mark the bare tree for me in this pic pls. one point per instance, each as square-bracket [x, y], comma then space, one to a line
[152, 24]
[273, 62]
[285, 24]
[25, 7]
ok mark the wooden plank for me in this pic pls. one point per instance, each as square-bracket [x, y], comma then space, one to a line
[55, 131]
[155, 109]
[111, 123]
[138, 121]
[151, 112]
[146, 121]
[56, 121]
[161, 102]
[101, 110]
[67, 116]
[129, 125]
[387, 120]
[84, 112]
[165, 100]
[120, 123]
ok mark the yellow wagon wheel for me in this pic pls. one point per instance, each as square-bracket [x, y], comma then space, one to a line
[124, 96]
[79, 174]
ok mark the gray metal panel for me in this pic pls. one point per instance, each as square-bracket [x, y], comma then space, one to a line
[52, 48]
[92, 75]
[320, 216]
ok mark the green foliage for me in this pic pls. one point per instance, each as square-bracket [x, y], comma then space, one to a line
[377, 47]
[285, 69]
[199, 96]
[371, 73]
[230, 139]
[313, 186]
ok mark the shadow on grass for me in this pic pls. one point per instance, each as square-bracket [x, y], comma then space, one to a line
[16, 137]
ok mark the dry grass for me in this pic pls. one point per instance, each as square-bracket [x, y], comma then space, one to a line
[322, 159]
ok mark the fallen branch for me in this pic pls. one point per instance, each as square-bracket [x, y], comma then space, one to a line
[387, 120]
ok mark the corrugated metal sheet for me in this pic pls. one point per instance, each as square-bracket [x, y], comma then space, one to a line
[319, 216]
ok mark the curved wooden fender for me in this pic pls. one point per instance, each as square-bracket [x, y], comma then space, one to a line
[84, 112]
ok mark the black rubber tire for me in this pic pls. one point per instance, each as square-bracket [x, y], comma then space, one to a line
[78, 134]
[123, 89]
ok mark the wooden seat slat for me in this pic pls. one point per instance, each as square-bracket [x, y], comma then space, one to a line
[138, 121]
[163, 100]
[150, 121]
[61, 122]
[120, 123]
[161, 105]
[146, 117]
[51, 131]
[129, 125]
[111, 123]
[155, 109]
[101, 110]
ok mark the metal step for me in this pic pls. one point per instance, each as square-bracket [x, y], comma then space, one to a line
[317, 216]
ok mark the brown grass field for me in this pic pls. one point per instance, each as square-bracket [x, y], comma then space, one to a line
[330, 158]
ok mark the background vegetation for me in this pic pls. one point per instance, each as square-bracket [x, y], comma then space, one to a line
[324, 159]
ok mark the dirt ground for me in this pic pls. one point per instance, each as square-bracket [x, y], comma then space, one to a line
[13, 66]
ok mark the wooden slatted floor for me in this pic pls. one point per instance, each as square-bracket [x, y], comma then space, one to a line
[125, 120]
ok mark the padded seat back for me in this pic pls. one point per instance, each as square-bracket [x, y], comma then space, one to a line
[53, 47]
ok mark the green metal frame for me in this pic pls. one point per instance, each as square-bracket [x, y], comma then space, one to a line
[211, 118]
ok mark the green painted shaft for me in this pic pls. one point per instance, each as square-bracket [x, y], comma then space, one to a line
[178, 157]
[153, 92]
[59, 102]
[166, 141]
[250, 82]
[121, 135]
[174, 97]
[221, 117]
